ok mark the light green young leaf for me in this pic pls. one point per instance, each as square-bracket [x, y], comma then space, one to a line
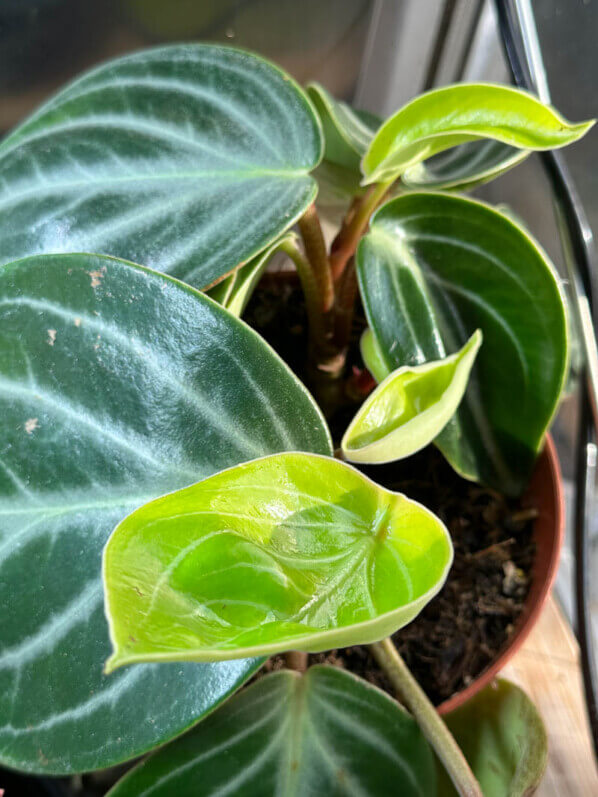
[504, 740]
[433, 269]
[292, 551]
[453, 115]
[190, 159]
[117, 385]
[326, 732]
[372, 356]
[409, 408]
[234, 292]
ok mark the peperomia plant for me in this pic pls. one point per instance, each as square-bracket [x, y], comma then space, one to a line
[140, 208]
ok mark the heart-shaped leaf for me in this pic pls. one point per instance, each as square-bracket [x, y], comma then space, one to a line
[117, 385]
[432, 270]
[504, 740]
[323, 733]
[190, 159]
[289, 551]
[235, 290]
[410, 408]
[453, 115]
[465, 166]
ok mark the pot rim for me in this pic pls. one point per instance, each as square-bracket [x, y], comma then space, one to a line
[545, 492]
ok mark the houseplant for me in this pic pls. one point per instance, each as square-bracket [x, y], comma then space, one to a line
[120, 384]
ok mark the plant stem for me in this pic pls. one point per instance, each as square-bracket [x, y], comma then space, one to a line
[354, 225]
[414, 698]
[311, 292]
[296, 660]
[315, 249]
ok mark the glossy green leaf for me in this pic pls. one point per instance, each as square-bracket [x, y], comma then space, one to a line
[288, 735]
[453, 115]
[409, 408]
[117, 385]
[432, 270]
[235, 290]
[465, 166]
[504, 740]
[189, 159]
[289, 551]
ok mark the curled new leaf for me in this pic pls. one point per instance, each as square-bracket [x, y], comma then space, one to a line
[410, 408]
[504, 740]
[453, 115]
[323, 733]
[292, 551]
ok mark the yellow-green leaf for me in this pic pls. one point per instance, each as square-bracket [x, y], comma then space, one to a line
[453, 115]
[291, 551]
[410, 408]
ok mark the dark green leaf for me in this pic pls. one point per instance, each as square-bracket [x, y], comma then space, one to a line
[323, 733]
[465, 166]
[432, 270]
[504, 740]
[347, 135]
[189, 159]
[117, 385]
[289, 551]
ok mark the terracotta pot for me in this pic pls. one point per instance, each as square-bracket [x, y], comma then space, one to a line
[545, 493]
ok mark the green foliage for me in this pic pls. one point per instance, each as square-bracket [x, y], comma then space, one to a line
[504, 740]
[410, 408]
[235, 290]
[117, 385]
[189, 159]
[289, 735]
[453, 115]
[432, 270]
[291, 551]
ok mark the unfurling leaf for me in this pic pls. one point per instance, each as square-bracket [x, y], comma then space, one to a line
[409, 408]
[454, 115]
[504, 740]
[190, 159]
[433, 269]
[292, 551]
[117, 384]
[323, 733]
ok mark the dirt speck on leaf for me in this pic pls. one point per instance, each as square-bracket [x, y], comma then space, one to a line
[31, 424]
[96, 276]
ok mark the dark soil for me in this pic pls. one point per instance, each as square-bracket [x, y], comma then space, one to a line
[461, 631]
